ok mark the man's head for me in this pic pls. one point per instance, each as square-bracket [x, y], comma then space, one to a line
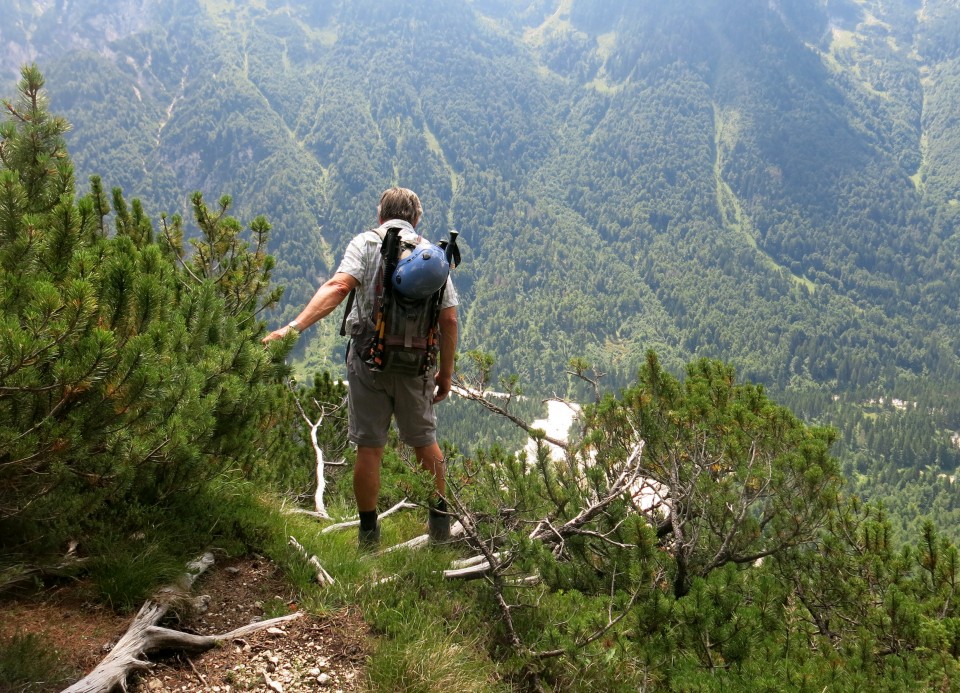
[400, 203]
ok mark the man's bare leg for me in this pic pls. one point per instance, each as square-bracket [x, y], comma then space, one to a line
[366, 488]
[431, 459]
[366, 477]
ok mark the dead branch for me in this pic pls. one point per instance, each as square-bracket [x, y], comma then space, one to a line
[355, 523]
[480, 397]
[597, 634]
[579, 370]
[494, 566]
[467, 562]
[143, 639]
[551, 534]
[144, 636]
[422, 540]
[321, 510]
[323, 577]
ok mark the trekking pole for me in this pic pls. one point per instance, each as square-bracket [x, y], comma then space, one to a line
[389, 251]
[452, 254]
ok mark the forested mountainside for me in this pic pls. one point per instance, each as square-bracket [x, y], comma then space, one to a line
[776, 184]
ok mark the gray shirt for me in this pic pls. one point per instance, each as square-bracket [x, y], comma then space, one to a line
[361, 261]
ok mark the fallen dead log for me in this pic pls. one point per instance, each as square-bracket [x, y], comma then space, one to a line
[144, 636]
[124, 659]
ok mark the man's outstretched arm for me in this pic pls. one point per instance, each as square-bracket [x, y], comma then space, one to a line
[328, 297]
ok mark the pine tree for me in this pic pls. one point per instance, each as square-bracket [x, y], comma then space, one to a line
[733, 477]
[733, 563]
[129, 372]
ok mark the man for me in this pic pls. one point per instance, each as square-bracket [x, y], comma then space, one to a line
[375, 397]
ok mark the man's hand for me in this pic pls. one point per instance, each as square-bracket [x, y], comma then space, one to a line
[278, 333]
[444, 382]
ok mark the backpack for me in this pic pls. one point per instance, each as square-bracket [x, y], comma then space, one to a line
[403, 335]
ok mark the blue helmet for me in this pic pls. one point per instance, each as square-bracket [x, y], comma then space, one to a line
[421, 273]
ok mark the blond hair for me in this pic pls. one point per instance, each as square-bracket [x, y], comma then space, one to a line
[400, 203]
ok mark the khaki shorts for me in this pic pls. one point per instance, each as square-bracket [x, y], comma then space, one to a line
[376, 397]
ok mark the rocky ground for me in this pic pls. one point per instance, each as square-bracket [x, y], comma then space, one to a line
[306, 654]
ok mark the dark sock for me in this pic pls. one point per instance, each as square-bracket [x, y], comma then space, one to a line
[368, 520]
[438, 507]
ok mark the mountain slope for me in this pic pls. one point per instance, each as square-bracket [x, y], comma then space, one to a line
[771, 183]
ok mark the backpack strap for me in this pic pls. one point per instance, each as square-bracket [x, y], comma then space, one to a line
[351, 297]
[346, 312]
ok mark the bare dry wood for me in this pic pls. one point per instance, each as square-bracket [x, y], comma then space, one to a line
[322, 576]
[480, 397]
[355, 523]
[422, 540]
[321, 509]
[555, 535]
[144, 636]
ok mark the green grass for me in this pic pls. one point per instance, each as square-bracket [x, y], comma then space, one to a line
[432, 662]
[125, 574]
[430, 636]
[28, 663]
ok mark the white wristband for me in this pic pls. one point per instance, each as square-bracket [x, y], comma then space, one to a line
[294, 324]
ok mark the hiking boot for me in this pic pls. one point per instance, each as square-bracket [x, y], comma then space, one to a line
[438, 527]
[369, 539]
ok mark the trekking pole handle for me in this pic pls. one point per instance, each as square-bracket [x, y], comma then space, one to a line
[452, 251]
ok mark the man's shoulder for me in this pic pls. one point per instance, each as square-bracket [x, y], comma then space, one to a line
[365, 242]
[367, 236]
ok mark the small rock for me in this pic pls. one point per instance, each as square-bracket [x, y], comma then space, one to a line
[201, 603]
[154, 684]
[276, 631]
[323, 679]
[315, 672]
[231, 570]
[273, 685]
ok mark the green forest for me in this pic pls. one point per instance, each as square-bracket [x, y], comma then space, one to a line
[742, 219]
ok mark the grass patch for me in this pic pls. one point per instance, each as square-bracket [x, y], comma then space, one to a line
[431, 662]
[125, 574]
[29, 663]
